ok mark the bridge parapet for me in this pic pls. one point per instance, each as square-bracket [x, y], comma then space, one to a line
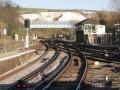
[53, 24]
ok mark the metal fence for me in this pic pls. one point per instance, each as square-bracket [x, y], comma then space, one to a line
[102, 39]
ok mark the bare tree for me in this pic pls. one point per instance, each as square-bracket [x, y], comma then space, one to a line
[104, 18]
[9, 15]
[115, 4]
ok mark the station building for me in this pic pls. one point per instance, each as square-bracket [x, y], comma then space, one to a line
[89, 32]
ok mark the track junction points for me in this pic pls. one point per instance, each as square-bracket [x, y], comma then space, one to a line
[66, 65]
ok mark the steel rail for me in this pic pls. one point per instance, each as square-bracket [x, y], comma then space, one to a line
[46, 84]
[77, 52]
[12, 87]
[83, 70]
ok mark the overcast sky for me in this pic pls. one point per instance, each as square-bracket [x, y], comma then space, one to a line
[65, 4]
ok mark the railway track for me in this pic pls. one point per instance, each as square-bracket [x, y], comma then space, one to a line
[48, 82]
[53, 80]
[100, 52]
[41, 54]
[74, 73]
[108, 53]
[110, 63]
[32, 74]
[104, 76]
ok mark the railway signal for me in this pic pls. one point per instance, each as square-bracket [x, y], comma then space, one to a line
[21, 85]
[27, 23]
[27, 26]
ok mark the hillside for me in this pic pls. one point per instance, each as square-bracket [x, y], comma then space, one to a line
[36, 10]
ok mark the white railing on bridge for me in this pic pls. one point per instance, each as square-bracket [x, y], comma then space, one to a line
[53, 24]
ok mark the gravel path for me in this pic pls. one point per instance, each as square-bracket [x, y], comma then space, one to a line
[96, 75]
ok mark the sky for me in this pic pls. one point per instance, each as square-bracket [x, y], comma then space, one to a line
[65, 4]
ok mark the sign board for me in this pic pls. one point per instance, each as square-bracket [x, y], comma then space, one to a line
[89, 28]
[94, 29]
[100, 29]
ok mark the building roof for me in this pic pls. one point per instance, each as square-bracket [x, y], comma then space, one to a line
[86, 21]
